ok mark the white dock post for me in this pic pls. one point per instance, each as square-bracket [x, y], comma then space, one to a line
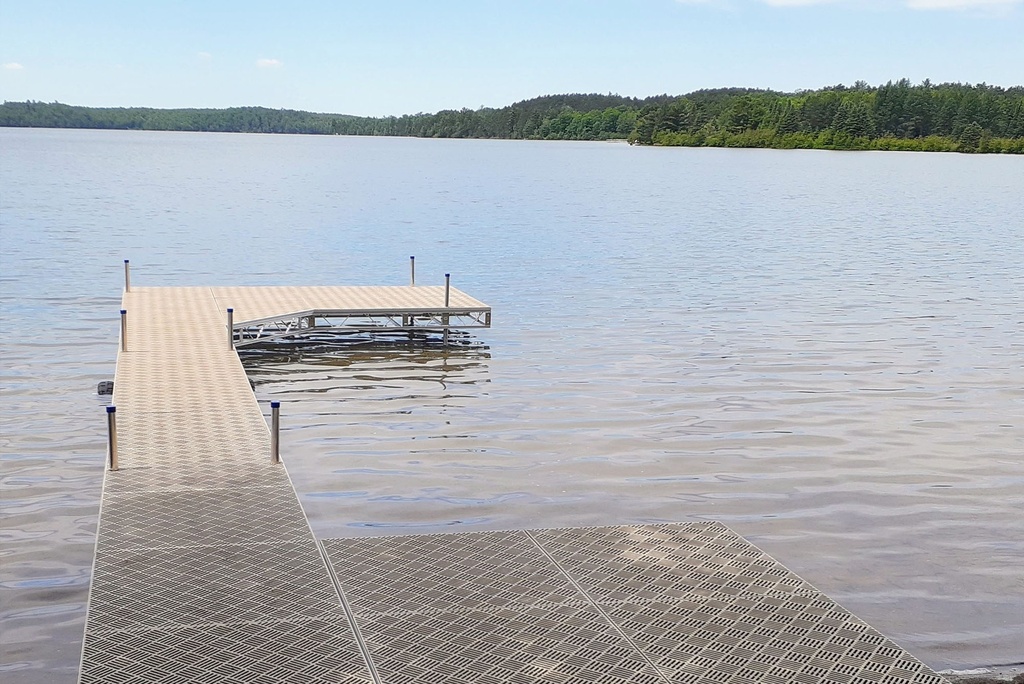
[408, 320]
[275, 432]
[112, 436]
[447, 298]
[127, 277]
[231, 328]
[124, 330]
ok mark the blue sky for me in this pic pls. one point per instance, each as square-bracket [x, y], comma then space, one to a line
[377, 57]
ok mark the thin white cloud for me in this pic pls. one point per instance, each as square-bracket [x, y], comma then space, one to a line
[13, 66]
[265, 63]
[796, 3]
[961, 4]
[985, 5]
[205, 56]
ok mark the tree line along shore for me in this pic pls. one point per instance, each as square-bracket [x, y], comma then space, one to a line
[947, 117]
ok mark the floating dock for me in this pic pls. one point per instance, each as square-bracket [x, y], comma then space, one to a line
[207, 571]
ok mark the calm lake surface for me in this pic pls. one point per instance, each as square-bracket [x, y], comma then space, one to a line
[821, 350]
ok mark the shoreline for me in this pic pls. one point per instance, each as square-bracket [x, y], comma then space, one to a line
[996, 674]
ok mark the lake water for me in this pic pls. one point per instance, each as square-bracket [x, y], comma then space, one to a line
[822, 350]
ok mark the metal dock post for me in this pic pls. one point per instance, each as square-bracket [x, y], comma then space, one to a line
[112, 436]
[275, 432]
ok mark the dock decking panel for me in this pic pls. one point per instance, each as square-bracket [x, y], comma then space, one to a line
[684, 602]
[206, 569]
[261, 303]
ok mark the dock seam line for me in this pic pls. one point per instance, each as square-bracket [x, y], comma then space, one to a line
[363, 648]
[596, 606]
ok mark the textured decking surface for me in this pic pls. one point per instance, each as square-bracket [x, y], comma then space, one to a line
[206, 569]
[256, 303]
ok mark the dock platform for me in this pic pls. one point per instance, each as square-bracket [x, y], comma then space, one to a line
[262, 314]
[206, 569]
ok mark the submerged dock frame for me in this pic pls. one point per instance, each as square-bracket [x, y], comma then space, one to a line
[313, 321]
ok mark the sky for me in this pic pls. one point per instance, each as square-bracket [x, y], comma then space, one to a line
[393, 57]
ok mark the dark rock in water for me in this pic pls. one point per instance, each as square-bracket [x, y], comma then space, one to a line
[105, 387]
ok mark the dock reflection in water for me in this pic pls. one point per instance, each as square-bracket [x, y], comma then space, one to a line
[385, 432]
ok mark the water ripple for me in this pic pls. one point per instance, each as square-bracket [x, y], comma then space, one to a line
[822, 350]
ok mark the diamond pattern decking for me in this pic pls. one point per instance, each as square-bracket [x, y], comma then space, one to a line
[570, 644]
[257, 303]
[687, 602]
[206, 569]
[315, 651]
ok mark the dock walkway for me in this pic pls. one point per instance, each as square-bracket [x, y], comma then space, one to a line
[207, 571]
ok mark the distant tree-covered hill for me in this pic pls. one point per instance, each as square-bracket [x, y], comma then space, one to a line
[575, 116]
[551, 117]
[895, 116]
[233, 120]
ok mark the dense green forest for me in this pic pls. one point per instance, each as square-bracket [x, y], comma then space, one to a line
[950, 117]
[896, 116]
[562, 117]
